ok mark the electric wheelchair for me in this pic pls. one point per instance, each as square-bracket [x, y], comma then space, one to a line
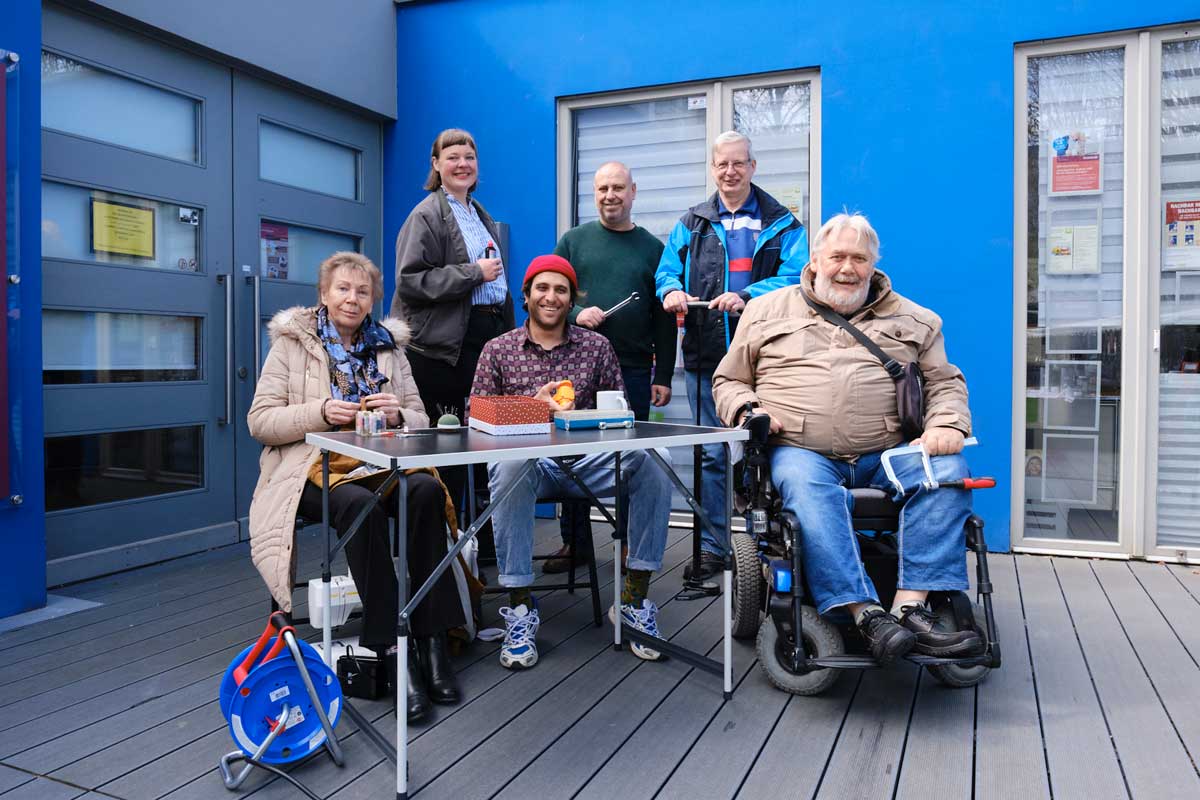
[770, 596]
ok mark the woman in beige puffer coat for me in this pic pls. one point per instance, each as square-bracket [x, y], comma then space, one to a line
[295, 396]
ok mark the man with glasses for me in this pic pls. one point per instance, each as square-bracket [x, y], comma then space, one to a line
[738, 244]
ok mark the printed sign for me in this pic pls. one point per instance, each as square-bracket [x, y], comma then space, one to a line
[273, 252]
[1073, 249]
[122, 228]
[1076, 163]
[1181, 226]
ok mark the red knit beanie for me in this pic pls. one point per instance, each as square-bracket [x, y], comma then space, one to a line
[551, 263]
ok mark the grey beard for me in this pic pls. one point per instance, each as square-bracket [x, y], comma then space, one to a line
[841, 302]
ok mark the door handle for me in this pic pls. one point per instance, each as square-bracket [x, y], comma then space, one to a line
[256, 282]
[227, 282]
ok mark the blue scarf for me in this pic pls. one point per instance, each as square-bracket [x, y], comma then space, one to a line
[354, 373]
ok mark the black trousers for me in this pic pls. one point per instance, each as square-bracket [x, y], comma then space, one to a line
[369, 554]
[444, 389]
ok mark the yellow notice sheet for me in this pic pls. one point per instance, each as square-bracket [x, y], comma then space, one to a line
[122, 228]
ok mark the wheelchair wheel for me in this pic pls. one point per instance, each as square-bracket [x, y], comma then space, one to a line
[958, 676]
[748, 585]
[821, 639]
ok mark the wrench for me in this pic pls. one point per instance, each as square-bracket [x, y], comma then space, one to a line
[622, 304]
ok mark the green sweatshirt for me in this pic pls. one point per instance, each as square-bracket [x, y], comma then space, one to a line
[610, 265]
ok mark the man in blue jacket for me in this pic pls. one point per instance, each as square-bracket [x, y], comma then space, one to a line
[737, 245]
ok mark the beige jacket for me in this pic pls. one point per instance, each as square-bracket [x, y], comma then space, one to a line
[287, 405]
[827, 390]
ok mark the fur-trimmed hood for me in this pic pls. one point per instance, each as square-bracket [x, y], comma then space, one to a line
[300, 323]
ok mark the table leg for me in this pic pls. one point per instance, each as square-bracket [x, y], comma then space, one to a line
[727, 600]
[402, 638]
[470, 506]
[617, 552]
[327, 565]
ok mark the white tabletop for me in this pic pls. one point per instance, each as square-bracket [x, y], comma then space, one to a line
[431, 448]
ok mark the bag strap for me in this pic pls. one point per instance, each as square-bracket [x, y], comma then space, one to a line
[892, 366]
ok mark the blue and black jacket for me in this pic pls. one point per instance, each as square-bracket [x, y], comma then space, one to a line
[695, 257]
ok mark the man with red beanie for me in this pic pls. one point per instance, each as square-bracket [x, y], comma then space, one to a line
[533, 360]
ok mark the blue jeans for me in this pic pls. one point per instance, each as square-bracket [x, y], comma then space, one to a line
[649, 507]
[931, 538]
[712, 464]
[575, 520]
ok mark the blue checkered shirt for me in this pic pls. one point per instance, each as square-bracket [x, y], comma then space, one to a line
[476, 235]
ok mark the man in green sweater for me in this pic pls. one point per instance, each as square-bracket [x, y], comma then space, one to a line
[613, 258]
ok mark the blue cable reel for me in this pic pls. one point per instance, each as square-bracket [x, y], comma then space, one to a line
[279, 709]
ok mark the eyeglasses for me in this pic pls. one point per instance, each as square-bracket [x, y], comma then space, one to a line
[734, 166]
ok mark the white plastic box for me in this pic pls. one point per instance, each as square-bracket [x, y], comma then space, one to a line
[343, 599]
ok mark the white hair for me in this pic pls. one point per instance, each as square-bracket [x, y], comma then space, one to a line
[855, 222]
[733, 137]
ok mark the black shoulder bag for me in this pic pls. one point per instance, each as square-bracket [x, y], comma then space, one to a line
[910, 383]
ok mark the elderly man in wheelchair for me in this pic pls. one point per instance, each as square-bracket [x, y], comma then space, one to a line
[815, 371]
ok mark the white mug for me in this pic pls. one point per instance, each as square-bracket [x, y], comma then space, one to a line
[612, 400]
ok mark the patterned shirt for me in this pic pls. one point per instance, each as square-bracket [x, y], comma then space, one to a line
[477, 238]
[514, 364]
[741, 234]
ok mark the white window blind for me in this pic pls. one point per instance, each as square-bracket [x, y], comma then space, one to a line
[1178, 507]
[663, 144]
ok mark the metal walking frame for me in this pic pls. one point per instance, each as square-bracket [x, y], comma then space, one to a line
[396, 455]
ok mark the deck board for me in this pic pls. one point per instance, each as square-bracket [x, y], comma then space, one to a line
[1075, 733]
[119, 701]
[1152, 756]
[1009, 759]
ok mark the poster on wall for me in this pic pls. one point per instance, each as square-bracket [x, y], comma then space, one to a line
[1076, 162]
[122, 228]
[1181, 226]
[273, 250]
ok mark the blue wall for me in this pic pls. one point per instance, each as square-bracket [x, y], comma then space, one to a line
[917, 121]
[22, 528]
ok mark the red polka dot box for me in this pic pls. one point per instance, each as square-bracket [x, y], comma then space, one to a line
[509, 416]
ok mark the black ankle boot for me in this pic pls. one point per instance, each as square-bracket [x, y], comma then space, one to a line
[419, 704]
[439, 674]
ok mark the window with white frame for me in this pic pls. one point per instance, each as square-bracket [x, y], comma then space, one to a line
[1106, 455]
[663, 135]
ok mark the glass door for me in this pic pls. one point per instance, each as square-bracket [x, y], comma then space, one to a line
[307, 183]
[1174, 368]
[136, 355]
[1072, 176]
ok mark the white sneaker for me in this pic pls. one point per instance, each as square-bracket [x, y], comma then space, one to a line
[645, 619]
[519, 650]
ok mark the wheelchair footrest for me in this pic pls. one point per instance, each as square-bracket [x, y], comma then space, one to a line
[866, 662]
[966, 661]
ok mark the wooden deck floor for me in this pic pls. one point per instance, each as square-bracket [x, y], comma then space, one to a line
[1099, 697]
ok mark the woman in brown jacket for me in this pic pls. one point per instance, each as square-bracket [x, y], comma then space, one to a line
[323, 363]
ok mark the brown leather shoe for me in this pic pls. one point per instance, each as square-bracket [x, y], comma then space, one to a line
[561, 563]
